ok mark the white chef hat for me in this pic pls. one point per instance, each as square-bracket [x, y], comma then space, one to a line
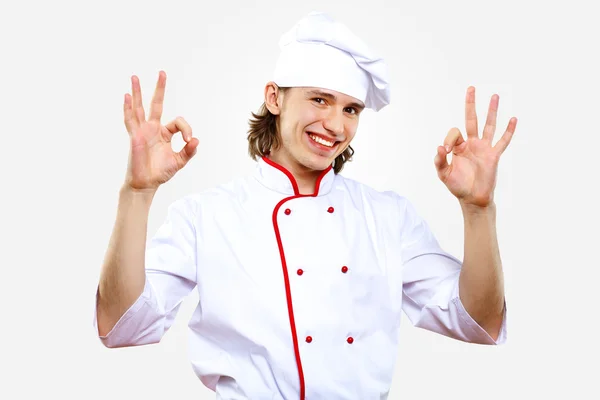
[321, 52]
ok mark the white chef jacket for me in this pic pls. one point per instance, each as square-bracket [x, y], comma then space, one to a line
[300, 296]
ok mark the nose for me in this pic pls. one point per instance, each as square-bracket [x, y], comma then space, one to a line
[334, 122]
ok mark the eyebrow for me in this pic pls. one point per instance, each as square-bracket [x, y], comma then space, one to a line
[333, 98]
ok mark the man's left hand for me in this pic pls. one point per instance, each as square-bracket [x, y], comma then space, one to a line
[471, 175]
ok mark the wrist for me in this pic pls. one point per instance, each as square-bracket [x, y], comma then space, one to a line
[131, 194]
[472, 210]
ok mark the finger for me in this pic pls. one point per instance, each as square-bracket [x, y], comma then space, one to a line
[507, 136]
[139, 113]
[441, 163]
[453, 139]
[137, 98]
[490, 123]
[471, 114]
[156, 107]
[128, 116]
[180, 125]
[188, 151]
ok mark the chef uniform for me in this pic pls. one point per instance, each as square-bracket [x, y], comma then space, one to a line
[300, 296]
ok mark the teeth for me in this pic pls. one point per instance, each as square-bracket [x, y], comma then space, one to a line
[322, 141]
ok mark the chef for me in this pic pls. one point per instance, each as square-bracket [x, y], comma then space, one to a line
[302, 274]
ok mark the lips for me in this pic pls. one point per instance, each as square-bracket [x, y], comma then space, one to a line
[322, 140]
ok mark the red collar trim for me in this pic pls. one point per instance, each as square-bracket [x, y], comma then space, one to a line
[293, 180]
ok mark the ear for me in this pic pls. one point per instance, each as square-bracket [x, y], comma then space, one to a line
[273, 98]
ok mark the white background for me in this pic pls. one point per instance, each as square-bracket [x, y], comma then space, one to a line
[66, 65]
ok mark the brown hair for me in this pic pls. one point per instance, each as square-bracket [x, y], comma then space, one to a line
[263, 136]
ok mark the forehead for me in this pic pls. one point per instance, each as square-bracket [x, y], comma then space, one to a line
[332, 94]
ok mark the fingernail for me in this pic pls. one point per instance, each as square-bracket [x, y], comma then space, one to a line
[447, 148]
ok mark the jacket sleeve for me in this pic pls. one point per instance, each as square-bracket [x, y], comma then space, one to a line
[170, 263]
[430, 284]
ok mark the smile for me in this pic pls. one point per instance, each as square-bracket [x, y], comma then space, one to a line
[321, 141]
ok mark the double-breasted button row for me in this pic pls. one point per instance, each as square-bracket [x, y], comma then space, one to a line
[350, 339]
[300, 271]
[288, 211]
[309, 339]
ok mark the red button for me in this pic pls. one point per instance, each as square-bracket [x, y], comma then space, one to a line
[344, 269]
[350, 340]
[287, 211]
[330, 210]
[300, 272]
[308, 339]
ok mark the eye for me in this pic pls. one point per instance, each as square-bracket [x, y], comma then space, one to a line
[351, 110]
[319, 100]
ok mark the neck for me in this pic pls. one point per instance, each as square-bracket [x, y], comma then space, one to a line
[305, 177]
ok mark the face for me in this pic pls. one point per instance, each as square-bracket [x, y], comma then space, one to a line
[316, 125]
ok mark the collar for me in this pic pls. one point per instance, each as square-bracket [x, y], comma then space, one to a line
[279, 179]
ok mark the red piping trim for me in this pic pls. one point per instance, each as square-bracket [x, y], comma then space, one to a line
[288, 173]
[286, 278]
[288, 294]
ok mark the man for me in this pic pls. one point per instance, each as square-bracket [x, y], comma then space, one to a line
[302, 274]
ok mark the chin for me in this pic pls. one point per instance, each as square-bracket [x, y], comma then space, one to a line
[316, 162]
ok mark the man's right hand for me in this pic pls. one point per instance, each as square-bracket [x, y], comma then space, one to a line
[152, 160]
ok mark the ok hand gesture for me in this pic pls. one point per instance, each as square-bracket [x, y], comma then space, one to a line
[471, 176]
[152, 160]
